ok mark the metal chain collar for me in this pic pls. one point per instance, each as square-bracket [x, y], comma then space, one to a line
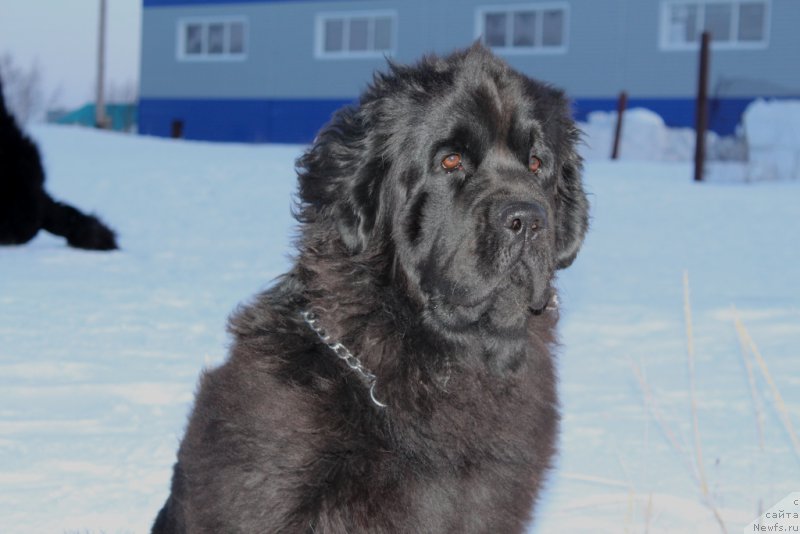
[343, 353]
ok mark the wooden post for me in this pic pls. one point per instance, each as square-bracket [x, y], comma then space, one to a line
[622, 104]
[701, 112]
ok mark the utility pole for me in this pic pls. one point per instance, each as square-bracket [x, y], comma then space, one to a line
[100, 119]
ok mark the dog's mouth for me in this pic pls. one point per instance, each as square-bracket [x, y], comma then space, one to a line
[488, 277]
[533, 284]
[508, 297]
[551, 304]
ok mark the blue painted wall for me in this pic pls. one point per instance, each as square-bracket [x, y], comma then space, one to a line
[286, 93]
[278, 121]
[297, 121]
[160, 3]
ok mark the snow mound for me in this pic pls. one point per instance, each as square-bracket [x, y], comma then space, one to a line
[646, 137]
[772, 130]
[767, 148]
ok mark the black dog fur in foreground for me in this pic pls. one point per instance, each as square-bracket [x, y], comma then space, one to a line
[433, 216]
[25, 206]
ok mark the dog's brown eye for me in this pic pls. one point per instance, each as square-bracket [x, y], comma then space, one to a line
[534, 164]
[452, 162]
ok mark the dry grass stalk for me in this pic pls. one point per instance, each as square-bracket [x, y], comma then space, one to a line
[698, 446]
[659, 418]
[631, 491]
[596, 480]
[648, 513]
[751, 379]
[780, 405]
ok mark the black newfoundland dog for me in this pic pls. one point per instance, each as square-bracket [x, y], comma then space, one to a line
[25, 206]
[400, 377]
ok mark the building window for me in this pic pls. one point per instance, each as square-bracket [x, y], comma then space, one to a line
[355, 34]
[733, 24]
[525, 28]
[212, 39]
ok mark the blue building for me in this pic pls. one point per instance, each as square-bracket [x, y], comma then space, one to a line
[275, 70]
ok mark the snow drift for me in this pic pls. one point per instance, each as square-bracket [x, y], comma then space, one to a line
[766, 148]
[100, 353]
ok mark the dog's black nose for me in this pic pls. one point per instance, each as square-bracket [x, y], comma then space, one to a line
[521, 217]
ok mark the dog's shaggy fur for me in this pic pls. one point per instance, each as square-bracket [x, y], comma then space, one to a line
[25, 206]
[433, 216]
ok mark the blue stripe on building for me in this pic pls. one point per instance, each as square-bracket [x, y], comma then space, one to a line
[298, 120]
[264, 121]
[159, 3]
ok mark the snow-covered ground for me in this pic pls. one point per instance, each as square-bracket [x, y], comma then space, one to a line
[100, 353]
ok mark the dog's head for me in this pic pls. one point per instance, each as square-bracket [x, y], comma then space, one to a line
[466, 172]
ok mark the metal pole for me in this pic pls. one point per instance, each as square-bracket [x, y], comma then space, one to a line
[622, 104]
[701, 117]
[100, 105]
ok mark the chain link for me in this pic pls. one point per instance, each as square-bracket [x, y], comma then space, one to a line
[343, 353]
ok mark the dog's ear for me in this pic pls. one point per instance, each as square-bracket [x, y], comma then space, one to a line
[358, 207]
[341, 175]
[572, 206]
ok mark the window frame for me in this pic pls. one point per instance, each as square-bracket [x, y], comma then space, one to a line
[665, 11]
[509, 10]
[205, 22]
[321, 18]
